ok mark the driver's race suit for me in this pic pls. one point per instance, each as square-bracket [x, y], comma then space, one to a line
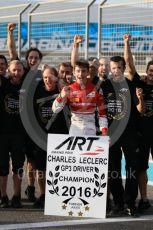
[83, 103]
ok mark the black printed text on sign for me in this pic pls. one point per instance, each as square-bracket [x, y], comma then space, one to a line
[76, 176]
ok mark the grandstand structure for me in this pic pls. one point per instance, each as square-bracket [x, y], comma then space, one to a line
[51, 25]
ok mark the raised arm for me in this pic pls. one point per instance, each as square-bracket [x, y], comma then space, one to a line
[75, 49]
[128, 56]
[10, 41]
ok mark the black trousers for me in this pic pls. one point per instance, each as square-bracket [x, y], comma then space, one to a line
[128, 144]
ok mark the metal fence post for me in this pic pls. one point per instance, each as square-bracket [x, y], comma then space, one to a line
[19, 29]
[99, 27]
[29, 24]
[87, 28]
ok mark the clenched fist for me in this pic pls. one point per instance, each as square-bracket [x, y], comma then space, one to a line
[127, 37]
[77, 39]
[11, 26]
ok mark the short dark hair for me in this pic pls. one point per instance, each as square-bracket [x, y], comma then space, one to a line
[149, 63]
[118, 59]
[93, 58]
[52, 69]
[65, 64]
[4, 58]
[82, 63]
[33, 49]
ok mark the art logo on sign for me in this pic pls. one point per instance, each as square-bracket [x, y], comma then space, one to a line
[74, 142]
[77, 174]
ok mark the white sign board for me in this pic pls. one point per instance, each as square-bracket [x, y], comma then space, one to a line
[76, 176]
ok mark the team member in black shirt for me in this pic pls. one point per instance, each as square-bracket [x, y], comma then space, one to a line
[120, 98]
[46, 92]
[145, 121]
[11, 134]
[33, 58]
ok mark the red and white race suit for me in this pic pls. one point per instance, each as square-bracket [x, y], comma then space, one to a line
[83, 103]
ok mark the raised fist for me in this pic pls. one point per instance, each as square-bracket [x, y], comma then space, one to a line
[127, 37]
[11, 26]
[78, 39]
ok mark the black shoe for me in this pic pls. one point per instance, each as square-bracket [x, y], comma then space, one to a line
[109, 206]
[30, 192]
[4, 202]
[143, 205]
[16, 202]
[132, 211]
[118, 210]
[40, 202]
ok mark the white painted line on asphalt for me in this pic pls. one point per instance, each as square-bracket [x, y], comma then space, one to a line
[73, 222]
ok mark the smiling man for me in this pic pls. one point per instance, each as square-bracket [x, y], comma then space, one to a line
[123, 102]
[83, 99]
[11, 134]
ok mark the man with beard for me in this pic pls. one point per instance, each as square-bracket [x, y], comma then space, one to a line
[98, 69]
[12, 135]
[65, 74]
